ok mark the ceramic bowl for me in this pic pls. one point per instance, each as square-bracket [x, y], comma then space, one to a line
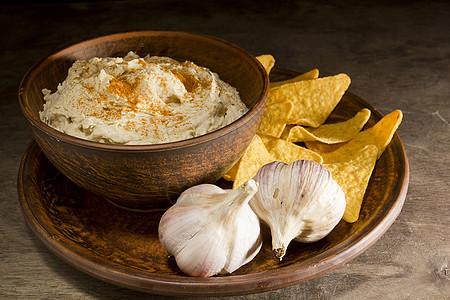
[147, 177]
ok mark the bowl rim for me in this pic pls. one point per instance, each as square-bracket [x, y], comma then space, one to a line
[36, 122]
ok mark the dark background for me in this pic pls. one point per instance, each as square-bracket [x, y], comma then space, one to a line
[397, 54]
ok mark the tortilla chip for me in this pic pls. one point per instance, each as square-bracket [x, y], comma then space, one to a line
[353, 177]
[274, 118]
[323, 148]
[254, 157]
[379, 135]
[313, 74]
[330, 133]
[288, 152]
[230, 175]
[313, 100]
[267, 60]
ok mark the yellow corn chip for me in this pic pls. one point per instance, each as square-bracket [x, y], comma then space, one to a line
[254, 157]
[267, 60]
[274, 118]
[288, 152]
[322, 148]
[379, 135]
[330, 133]
[313, 100]
[230, 175]
[285, 133]
[353, 177]
[313, 74]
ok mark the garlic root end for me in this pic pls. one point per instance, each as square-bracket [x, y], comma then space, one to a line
[280, 252]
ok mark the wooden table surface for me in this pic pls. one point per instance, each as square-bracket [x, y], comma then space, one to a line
[398, 57]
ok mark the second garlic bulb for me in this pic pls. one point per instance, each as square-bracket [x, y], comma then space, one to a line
[212, 231]
[298, 201]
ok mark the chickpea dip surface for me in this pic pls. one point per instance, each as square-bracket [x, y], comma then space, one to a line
[134, 100]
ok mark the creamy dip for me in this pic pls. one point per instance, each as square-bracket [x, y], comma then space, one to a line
[134, 100]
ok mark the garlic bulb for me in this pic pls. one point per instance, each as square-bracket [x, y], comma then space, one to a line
[210, 230]
[298, 201]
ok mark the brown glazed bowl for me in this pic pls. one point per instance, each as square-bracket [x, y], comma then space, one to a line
[147, 177]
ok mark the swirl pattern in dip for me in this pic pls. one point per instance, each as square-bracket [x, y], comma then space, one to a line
[134, 100]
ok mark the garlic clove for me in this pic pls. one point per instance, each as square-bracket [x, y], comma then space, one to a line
[202, 255]
[240, 255]
[210, 230]
[299, 201]
[199, 193]
[178, 225]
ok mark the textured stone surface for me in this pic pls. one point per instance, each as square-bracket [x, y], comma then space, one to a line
[398, 56]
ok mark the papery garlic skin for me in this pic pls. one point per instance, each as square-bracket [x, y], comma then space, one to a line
[212, 231]
[299, 201]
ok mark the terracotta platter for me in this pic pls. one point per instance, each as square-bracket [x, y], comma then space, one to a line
[122, 247]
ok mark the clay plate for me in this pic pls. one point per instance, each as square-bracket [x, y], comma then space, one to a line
[122, 247]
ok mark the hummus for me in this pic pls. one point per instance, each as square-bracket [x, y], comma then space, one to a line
[134, 100]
